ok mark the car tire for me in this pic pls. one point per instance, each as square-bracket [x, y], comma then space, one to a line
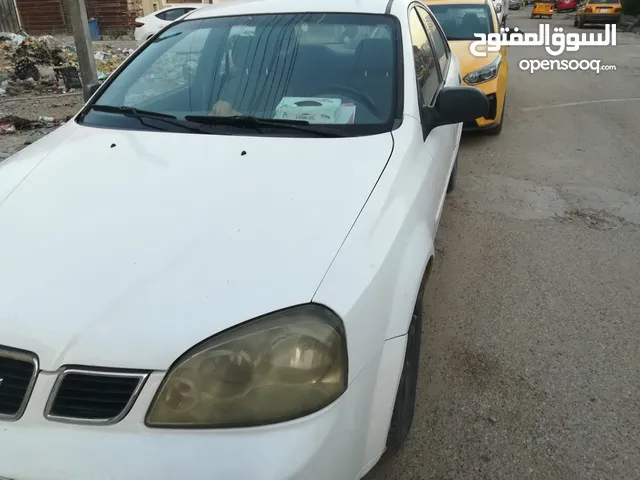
[404, 407]
[581, 22]
[575, 22]
[454, 175]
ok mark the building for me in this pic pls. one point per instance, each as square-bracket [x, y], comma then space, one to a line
[40, 17]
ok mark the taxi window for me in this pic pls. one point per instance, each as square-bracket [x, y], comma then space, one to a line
[461, 21]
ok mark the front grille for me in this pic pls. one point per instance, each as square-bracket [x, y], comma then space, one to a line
[84, 396]
[18, 371]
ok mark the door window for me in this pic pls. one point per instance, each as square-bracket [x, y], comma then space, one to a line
[174, 14]
[440, 44]
[424, 59]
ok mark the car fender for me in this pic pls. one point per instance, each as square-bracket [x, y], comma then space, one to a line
[410, 281]
[374, 280]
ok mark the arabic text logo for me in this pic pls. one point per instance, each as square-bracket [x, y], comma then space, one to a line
[571, 42]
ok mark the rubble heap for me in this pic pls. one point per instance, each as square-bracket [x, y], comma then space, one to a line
[44, 65]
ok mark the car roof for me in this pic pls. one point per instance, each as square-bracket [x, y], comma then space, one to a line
[183, 5]
[455, 2]
[256, 7]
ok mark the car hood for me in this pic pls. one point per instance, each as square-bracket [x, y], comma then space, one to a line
[126, 248]
[469, 62]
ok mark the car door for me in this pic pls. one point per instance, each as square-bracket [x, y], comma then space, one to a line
[434, 71]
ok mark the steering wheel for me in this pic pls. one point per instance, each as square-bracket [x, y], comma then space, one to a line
[353, 93]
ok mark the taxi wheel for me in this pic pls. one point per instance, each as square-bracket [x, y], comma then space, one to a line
[575, 22]
[404, 407]
[581, 23]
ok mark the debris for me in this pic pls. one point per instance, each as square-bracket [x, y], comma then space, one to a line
[13, 123]
[13, 37]
[101, 55]
[69, 76]
[44, 65]
[50, 121]
[25, 69]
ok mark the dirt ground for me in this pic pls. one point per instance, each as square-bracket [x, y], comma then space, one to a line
[31, 108]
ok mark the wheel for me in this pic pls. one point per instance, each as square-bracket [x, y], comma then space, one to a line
[532, 16]
[404, 407]
[581, 22]
[575, 22]
[454, 175]
[498, 128]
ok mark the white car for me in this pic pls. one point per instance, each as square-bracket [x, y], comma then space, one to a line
[215, 270]
[150, 24]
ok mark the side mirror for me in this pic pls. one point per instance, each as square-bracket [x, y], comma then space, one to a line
[459, 105]
[90, 90]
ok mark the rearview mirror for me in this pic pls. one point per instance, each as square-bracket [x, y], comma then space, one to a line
[459, 105]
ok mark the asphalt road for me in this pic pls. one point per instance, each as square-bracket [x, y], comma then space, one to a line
[530, 365]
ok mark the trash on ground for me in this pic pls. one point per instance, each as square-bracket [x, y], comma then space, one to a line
[45, 65]
[13, 123]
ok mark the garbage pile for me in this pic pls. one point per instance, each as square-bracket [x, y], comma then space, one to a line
[13, 123]
[44, 65]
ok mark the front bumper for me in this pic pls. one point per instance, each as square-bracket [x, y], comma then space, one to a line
[601, 18]
[340, 442]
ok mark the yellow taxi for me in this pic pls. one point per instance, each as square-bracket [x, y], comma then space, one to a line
[460, 19]
[598, 11]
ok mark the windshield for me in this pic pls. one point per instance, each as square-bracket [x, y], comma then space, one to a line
[338, 71]
[460, 22]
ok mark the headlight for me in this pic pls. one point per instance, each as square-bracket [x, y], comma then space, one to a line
[484, 74]
[275, 368]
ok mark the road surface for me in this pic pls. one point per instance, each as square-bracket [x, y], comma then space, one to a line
[530, 364]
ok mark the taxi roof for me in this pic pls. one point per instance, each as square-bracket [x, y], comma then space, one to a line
[225, 8]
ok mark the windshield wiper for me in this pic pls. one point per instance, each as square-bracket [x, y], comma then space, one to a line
[141, 114]
[129, 110]
[256, 123]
